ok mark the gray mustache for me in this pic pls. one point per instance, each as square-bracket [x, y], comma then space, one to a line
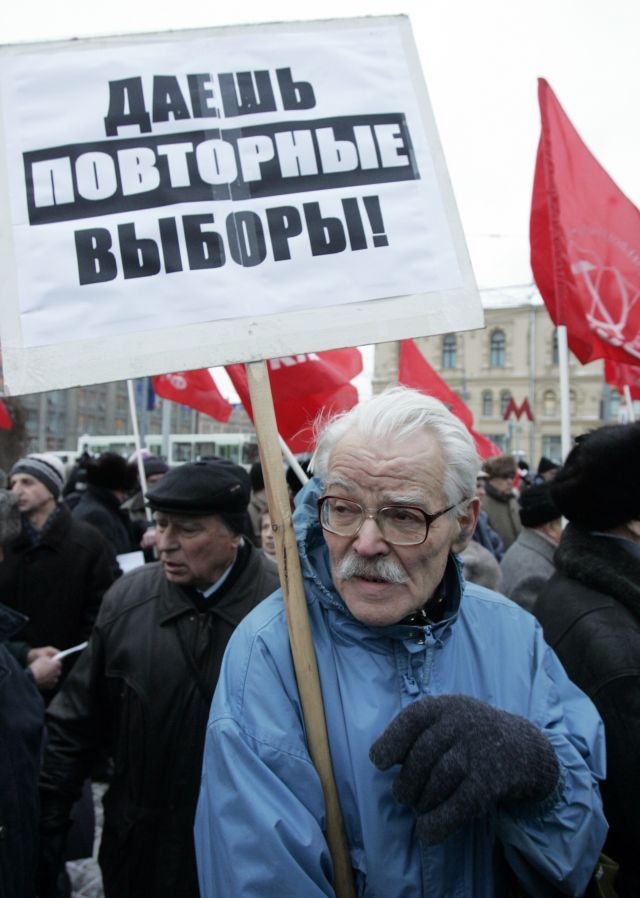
[378, 568]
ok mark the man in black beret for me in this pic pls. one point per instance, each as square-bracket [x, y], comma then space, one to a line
[144, 684]
[528, 562]
[590, 613]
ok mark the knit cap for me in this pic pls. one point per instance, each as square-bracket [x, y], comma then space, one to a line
[45, 467]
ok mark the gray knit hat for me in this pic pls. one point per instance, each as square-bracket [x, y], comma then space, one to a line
[45, 467]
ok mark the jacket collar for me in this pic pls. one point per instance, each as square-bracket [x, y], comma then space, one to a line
[602, 564]
[54, 533]
[176, 600]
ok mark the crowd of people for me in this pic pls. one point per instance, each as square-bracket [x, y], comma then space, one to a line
[479, 667]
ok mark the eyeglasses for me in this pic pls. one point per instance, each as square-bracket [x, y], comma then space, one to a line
[400, 525]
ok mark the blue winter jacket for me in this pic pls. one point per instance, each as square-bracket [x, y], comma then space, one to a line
[259, 822]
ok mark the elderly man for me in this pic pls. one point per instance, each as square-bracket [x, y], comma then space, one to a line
[590, 613]
[461, 750]
[143, 686]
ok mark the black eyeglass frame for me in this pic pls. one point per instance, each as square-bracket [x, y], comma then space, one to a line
[373, 514]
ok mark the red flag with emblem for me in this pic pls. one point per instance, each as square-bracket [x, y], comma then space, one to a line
[414, 371]
[585, 235]
[197, 389]
[621, 376]
[304, 386]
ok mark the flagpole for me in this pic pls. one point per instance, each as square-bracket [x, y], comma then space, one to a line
[629, 401]
[293, 461]
[136, 440]
[302, 650]
[565, 410]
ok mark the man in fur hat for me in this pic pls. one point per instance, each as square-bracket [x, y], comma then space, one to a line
[590, 613]
[500, 502]
[109, 480]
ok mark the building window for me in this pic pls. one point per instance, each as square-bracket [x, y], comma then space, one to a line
[573, 403]
[555, 355]
[498, 346]
[614, 406]
[500, 440]
[505, 399]
[552, 446]
[449, 351]
[549, 405]
[487, 404]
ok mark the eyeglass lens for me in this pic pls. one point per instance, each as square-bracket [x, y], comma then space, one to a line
[398, 524]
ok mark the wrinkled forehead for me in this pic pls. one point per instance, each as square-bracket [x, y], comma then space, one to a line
[412, 467]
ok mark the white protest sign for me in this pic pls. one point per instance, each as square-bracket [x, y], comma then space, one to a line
[182, 200]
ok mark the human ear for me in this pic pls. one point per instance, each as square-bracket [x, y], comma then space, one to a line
[466, 524]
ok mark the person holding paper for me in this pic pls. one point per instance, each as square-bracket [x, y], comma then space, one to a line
[462, 753]
[143, 685]
[57, 569]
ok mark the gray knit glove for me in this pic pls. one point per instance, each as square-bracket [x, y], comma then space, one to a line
[459, 758]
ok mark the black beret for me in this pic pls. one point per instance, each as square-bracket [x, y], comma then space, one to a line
[214, 486]
[537, 506]
[598, 487]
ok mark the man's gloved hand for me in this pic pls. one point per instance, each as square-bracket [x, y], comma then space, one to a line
[460, 757]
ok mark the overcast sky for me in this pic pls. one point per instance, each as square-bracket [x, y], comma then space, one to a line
[480, 61]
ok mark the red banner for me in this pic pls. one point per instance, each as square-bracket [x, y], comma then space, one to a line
[585, 236]
[414, 371]
[304, 386]
[621, 376]
[197, 389]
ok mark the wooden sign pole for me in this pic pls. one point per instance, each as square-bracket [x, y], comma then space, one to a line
[302, 649]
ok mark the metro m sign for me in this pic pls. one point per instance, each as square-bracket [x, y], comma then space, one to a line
[518, 410]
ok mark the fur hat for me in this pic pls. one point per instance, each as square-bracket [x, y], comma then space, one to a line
[111, 472]
[45, 467]
[598, 487]
[500, 466]
[537, 506]
[216, 486]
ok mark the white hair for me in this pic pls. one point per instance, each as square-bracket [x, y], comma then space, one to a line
[396, 414]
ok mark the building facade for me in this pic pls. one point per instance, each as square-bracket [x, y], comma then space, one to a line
[514, 357]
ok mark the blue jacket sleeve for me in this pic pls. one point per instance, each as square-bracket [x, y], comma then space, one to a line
[560, 840]
[258, 827]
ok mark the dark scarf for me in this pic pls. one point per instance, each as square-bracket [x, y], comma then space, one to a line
[602, 564]
[34, 536]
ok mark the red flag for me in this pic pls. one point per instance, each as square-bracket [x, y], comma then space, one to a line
[585, 236]
[5, 418]
[303, 386]
[414, 371]
[620, 376]
[197, 389]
